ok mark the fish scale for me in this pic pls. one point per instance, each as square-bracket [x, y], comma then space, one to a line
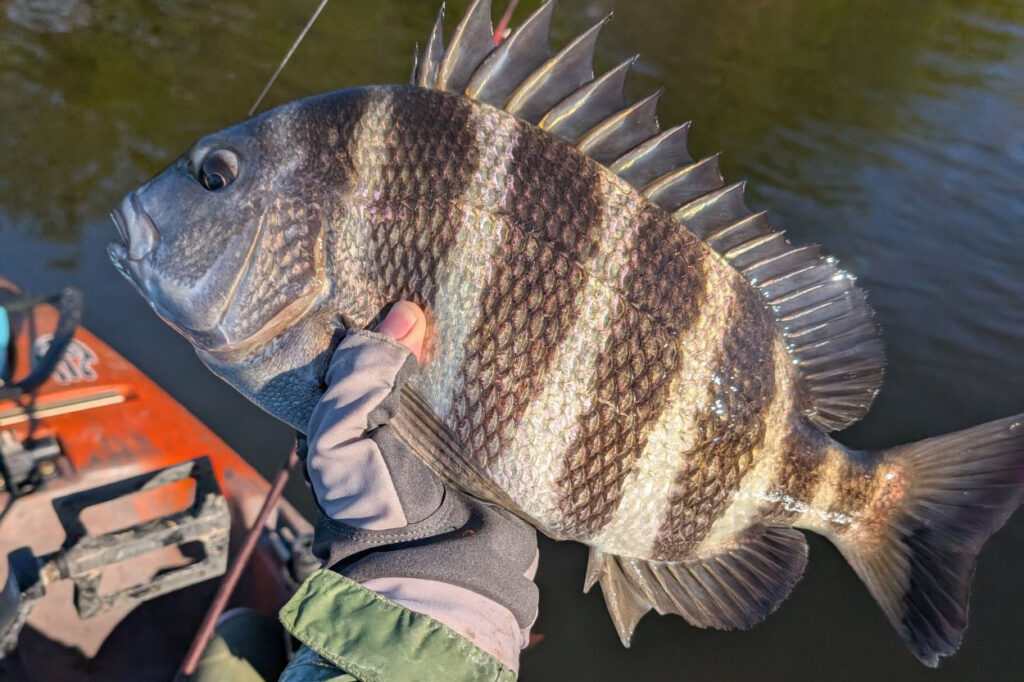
[635, 371]
[731, 426]
[620, 351]
[394, 194]
[529, 300]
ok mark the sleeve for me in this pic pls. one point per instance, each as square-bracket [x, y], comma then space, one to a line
[350, 632]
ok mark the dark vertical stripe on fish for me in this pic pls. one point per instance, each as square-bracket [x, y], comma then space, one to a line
[551, 215]
[857, 482]
[730, 429]
[663, 295]
[337, 118]
[803, 463]
[414, 215]
[291, 224]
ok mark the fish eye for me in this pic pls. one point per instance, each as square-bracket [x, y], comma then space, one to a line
[218, 169]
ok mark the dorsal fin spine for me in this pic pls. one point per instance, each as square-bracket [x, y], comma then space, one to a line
[425, 73]
[768, 283]
[745, 247]
[472, 41]
[514, 59]
[434, 50]
[804, 332]
[675, 188]
[623, 130]
[712, 199]
[775, 243]
[589, 104]
[820, 313]
[803, 313]
[655, 157]
[809, 252]
[730, 231]
[791, 295]
[556, 78]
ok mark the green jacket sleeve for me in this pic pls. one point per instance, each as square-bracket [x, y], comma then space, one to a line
[352, 633]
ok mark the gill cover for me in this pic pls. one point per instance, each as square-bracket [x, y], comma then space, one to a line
[221, 243]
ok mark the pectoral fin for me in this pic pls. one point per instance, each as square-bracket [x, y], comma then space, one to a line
[734, 589]
[435, 445]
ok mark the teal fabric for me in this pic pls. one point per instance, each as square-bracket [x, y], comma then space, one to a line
[352, 633]
[308, 666]
[5, 340]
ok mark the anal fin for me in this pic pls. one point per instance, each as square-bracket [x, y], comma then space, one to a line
[734, 589]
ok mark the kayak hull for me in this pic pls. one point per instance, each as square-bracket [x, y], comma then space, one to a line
[112, 422]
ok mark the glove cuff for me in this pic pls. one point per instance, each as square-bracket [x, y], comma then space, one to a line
[491, 554]
[334, 541]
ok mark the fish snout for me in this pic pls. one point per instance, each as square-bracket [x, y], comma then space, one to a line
[135, 228]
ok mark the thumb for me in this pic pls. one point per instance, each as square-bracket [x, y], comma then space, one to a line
[406, 324]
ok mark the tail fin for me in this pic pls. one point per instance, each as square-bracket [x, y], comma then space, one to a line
[960, 489]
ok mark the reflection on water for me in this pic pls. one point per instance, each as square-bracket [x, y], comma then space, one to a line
[892, 133]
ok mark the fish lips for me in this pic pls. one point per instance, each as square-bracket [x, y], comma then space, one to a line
[138, 233]
[139, 237]
[135, 227]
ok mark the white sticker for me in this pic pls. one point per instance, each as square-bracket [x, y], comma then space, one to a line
[77, 364]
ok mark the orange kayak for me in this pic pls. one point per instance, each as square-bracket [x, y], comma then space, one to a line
[118, 512]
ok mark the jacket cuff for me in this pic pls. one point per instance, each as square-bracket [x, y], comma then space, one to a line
[376, 640]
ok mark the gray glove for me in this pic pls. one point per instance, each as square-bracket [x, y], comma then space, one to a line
[388, 522]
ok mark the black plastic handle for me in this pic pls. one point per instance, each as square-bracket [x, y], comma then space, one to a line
[69, 305]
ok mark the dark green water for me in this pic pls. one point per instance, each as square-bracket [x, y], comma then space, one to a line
[890, 132]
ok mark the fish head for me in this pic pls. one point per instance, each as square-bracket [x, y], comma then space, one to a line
[225, 244]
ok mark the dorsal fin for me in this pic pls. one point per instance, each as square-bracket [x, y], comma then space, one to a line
[560, 76]
[424, 72]
[654, 158]
[823, 316]
[514, 59]
[588, 105]
[622, 131]
[472, 42]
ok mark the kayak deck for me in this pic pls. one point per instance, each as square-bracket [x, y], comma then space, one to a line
[111, 423]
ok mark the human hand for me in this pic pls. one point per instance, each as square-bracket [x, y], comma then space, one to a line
[388, 522]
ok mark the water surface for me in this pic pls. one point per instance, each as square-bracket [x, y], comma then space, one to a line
[892, 133]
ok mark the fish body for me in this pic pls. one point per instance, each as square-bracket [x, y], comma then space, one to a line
[620, 350]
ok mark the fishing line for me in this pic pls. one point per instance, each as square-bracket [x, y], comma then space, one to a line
[499, 34]
[234, 572]
[499, 31]
[287, 56]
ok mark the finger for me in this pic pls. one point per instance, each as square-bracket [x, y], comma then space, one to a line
[406, 324]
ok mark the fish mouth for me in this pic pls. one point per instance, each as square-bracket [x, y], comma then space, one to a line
[136, 229]
[137, 238]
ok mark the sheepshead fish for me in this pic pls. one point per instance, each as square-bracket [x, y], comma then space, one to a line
[620, 351]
